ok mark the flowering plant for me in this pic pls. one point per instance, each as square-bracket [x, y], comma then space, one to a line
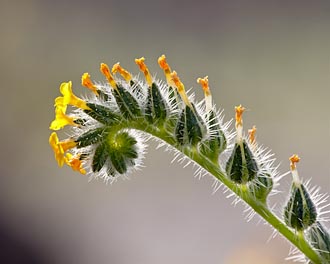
[109, 130]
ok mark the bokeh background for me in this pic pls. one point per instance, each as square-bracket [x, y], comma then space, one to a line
[270, 56]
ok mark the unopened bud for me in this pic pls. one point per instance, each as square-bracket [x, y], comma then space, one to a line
[241, 166]
[190, 127]
[217, 142]
[319, 237]
[300, 212]
[261, 186]
[156, 108]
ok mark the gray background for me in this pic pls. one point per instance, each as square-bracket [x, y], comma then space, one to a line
[270, 56]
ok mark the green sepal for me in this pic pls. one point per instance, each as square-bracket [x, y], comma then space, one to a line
[91, 137]
[241, 167]
[319, 238]
[127, 104]
[217, 143]
[180, 128]
[102, 114]
[100, 156]
[156, 108]
[300, 211]
[118, 162]
[190, 127]
[261, 186]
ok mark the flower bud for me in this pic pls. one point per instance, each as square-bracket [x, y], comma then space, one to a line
[217, 142]
[156, 108]
[92, 136]
[319, 237]
[241, 167]
[300, 211]
[127, 104]
[261, 186]
[190, 127]
[102, 114]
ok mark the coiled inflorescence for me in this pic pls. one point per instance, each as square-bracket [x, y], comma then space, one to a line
[108, 130]
[106, 139]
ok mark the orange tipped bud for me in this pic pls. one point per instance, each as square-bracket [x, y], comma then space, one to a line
[87, 82]
[252, 133]
[239, 112]
[175, 78]
[179, 85]
[166, 68]
[104, 68]
[294, 159]
[117, 68]
[204, 82]
[163, 64]
[143, 67]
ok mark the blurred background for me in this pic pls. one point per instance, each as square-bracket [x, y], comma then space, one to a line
[270, 56]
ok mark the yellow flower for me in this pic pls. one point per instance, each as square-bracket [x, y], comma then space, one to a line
[60, 147]
[58, 150]
[70, 98]
[61, 119]
[67, 144]
[59, 102]
[75, 163]
[87, 82]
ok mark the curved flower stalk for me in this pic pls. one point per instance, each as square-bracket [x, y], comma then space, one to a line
[107, 138]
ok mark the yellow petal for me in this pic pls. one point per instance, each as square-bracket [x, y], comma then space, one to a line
[75, 163]
[59, 103]
[58, 150]
[61, 119]
[67, 144]
[70, 98]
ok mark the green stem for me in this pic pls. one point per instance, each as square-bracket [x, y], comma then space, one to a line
[260, 207]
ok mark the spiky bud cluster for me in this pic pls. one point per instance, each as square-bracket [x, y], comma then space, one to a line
[107, 140]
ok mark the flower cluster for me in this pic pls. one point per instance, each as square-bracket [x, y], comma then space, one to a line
[105, 138]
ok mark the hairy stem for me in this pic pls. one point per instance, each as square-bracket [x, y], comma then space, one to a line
[260, 207]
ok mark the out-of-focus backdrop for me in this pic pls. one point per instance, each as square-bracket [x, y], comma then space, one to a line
[270, 56]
